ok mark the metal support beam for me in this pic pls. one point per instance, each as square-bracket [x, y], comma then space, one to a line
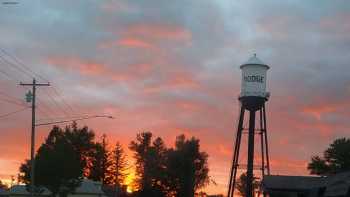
[233, 174]
[266, 143]
[250, 164]
[265, 165]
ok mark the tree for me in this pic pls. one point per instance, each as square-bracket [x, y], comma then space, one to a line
[178, 171]
[101, 163]
[241, 184]
[82, 140]
[187, 167]
[119, 166]
[58, 165]
[157, 158]
[141, 148]
[148, 158]
[336, 158]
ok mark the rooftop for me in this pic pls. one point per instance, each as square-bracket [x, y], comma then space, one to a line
[292, 182]
[254, 60]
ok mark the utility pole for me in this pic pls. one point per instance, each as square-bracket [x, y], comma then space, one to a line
[30, 97]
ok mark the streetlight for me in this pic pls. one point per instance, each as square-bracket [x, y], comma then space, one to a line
[76, 119]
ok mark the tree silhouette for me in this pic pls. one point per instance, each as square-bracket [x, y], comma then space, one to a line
[82, 140]
[148, 158]
[101, 163]
[187, 167]
[58, 165]
[336, 158]
[241, 184]
[141, 149]
[119, 166]
[157, 169]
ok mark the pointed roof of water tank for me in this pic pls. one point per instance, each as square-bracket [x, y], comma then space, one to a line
[254, 61]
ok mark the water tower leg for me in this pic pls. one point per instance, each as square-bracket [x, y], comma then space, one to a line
[266, 143]
[262, 143]
[233, 174]
[250, 165]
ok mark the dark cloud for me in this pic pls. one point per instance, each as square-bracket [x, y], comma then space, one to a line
[173, 67]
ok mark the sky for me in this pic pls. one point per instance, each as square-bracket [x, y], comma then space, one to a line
[172, 67]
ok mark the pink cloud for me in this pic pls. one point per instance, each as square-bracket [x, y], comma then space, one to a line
[134, 42]
[94, 68]
[159, 32]
[149, 36]
[76, 64]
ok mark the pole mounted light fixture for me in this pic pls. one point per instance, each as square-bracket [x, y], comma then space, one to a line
[75, 119]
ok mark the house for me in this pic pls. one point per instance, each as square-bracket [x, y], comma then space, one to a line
[3, 192]
[21, 191]
[337, 185]
[88, 188]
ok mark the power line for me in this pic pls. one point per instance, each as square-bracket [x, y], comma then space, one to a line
[24, 69]
[12, 102]
[6, 75]
[54, 96]
[12, 65]
[10, 97]
[43, 112]
[46, 107]
[59, 94]
[14, 112]
[53, 100]
[20, 63]
[58, 118]
[77, 119]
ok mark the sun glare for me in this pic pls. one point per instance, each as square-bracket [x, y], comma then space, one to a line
[129, 181]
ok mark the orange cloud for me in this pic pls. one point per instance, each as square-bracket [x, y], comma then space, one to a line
[149, 36]
[159, 32]
[84, 67]
[116, 6]
[188, 106]
[183, 80]
[289, 166]
[134, 42]
[317, 111]
[173, 80]
[93, 68]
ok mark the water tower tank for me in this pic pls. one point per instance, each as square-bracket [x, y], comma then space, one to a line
[254, 78]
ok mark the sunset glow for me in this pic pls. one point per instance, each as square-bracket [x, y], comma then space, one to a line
[130, 181]
[172, 67]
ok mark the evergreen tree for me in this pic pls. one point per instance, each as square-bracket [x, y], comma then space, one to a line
[158, 163]
[149, 165]
[187, 167]
[141, 148]
[101, 163]
[120, 165]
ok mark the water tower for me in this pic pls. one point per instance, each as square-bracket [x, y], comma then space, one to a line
[252, 99]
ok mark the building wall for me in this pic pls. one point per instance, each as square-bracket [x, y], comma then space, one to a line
[283, 194]
[85, 195]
